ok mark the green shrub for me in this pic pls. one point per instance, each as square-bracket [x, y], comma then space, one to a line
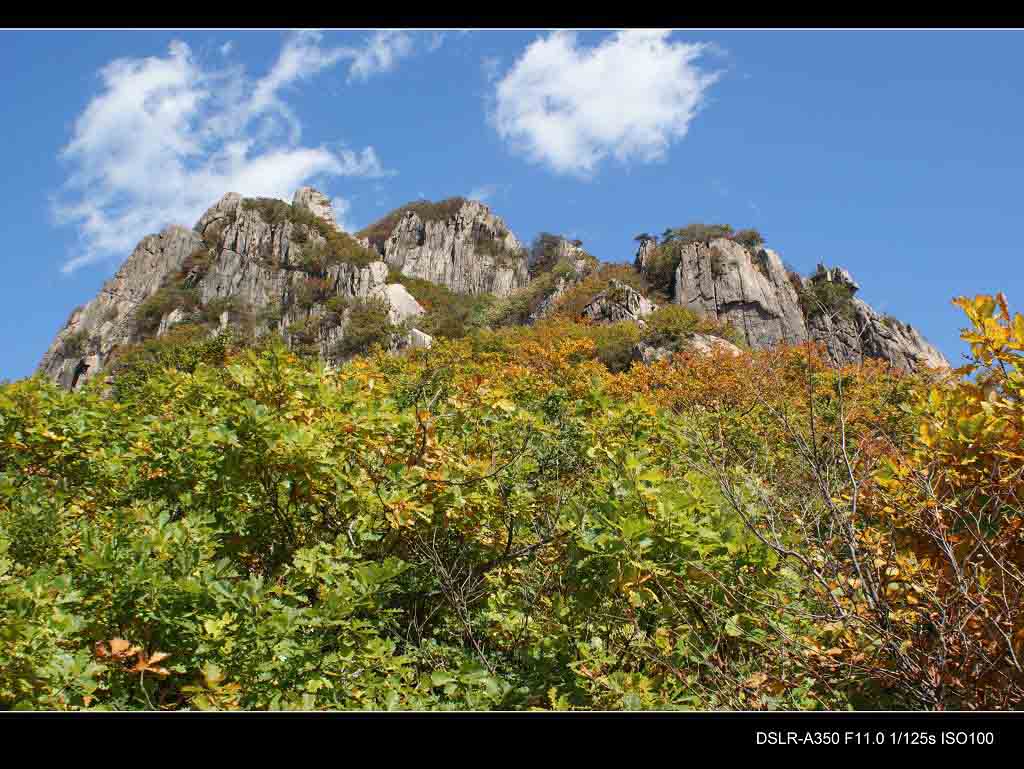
[579, 295]
[696, 233]
[182, 348]
[449, 314]
[313, 291]
[210, 312]
[150, 312]
[270, 316]
[760, 261]
[750, 238]
[825, 296]
[339, 248]
[669, 325]
[660, 269]
[487, 245]
[428, 211]
[368, 326]
[795, 281]
[195, 266]
[271, 210]
[74, 344]
[615, 343]
[544, 252]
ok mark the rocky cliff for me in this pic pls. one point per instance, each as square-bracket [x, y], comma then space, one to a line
[265, 265]
[462, 246]
[750, 288]
[258, 263]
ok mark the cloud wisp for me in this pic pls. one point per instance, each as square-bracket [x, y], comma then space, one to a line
[483, 192]
[570, 107]
[166, 136]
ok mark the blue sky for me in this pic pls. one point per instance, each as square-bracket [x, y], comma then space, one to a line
[896, 154]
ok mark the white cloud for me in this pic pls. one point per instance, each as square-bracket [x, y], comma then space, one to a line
[382, 53]
[630, 97]
[483, 192]
[165, 138]
[227, 48]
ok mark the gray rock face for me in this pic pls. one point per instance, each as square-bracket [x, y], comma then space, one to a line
[316, 203]
[418, 340]
[473, 252]
[706, 345]
[643, 255]
[649, 353]
[753, 291]
[702, 344]
[251, 263]
[861, 332]
[264, 269]
[582, 265]
[618, 302]
[83, 346]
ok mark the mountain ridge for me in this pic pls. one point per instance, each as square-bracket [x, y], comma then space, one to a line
[268, 266]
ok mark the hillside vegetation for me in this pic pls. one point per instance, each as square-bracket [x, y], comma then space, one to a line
[512, 520]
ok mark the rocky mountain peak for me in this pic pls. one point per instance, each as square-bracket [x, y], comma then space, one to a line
[316, 203]
[751, 289]
[457, 243]
[837, 275]
[265, 265]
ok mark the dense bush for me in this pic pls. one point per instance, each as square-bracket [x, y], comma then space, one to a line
[488, 245]
[614, 344]
[827, 297]
[582, 293]
[151, 311]
[449, 314]
[697, 233]
[74, 344]
[182, 348]
[271, 210]
[749, 238]
[544, 252]
[311, 291]
[368, 326]
[660, 269]
[195, 266]
[500, 522]
[304, 336]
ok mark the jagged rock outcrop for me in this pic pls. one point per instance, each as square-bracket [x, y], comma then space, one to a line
[93, 331]
[264, 265]
[580, 264]
[751, 292]
[618, 302]
[757, 295]
[316, 203]
[418, 340]
[644, 254]
[854, 332]
[471, 252]
[234, 257]
[703, 344]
